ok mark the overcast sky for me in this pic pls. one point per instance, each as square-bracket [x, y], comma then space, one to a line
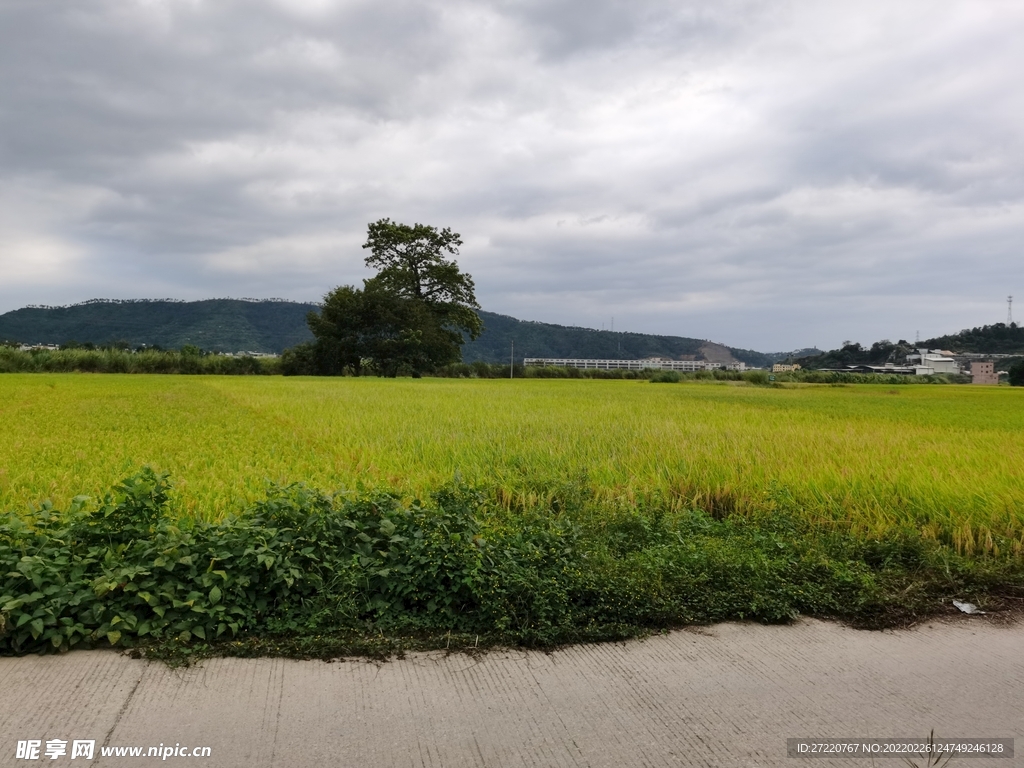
[770, 175]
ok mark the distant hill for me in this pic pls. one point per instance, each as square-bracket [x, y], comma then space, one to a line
[231, 325]
[219, 325]
[995, 339]
[534, 339]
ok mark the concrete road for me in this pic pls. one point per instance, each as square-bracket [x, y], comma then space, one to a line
[728, 695]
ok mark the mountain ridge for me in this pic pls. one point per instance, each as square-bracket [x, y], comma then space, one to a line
[272, 325]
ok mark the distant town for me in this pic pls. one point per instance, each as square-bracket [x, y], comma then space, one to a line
[925, 362]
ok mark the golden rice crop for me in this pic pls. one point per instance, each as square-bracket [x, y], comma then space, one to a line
[944, 460]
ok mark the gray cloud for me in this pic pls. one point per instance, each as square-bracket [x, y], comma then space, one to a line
[769, 175]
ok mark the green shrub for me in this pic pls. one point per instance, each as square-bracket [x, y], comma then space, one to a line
[665, 377]
[300, 564]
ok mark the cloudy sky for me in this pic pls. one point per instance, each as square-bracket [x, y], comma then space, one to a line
[765, 174]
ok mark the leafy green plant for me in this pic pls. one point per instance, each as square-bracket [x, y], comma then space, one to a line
[307, 567]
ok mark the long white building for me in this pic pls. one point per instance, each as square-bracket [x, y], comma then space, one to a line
[650, 363]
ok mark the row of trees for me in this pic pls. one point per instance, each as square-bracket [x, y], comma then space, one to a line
[410, 318]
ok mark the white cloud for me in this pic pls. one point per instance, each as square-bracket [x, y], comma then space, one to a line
[35, 260]
[738, 170]
[314, 254]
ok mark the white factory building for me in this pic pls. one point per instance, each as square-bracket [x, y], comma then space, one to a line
[650, 363]
[927, 362]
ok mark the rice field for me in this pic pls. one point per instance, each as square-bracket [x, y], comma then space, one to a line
[943, 460]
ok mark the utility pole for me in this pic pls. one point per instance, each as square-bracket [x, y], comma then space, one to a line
[1009, 310]
[512, 364]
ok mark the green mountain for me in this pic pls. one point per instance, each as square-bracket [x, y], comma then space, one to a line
[988, 339]
[219, 325]
[533, 339]
[231, 325]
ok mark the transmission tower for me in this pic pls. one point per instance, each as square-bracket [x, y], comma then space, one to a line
[1009, 310]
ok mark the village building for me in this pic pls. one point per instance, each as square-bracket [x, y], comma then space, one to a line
[983, 373]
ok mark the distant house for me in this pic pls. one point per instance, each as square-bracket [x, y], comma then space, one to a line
[785, 368]
[983, 373]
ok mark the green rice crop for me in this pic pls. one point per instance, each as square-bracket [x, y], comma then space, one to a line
[942, 461]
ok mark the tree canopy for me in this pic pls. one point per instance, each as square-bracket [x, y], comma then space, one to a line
[997, 338]
[1017, 374]
[409, 318]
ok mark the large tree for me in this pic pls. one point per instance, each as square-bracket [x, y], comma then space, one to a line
[411, 263]
[410, 317]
